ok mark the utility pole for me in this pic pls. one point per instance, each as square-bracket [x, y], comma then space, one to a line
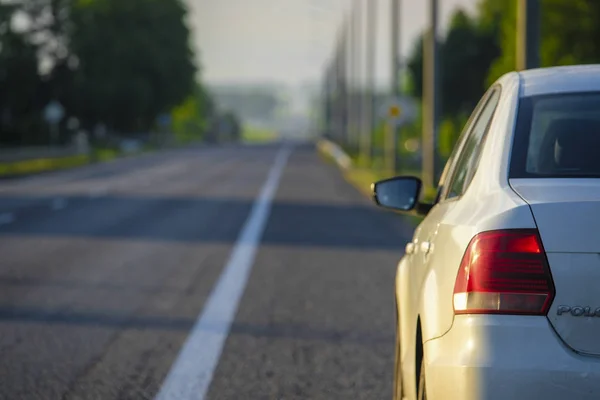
[369, 98]
[349, 80]
[345, 104]
[340, 91]
[393, 131]
[336, 93]
[352, 109]
[357, 61]
[339, 67]
[332, 99]
[528, 34]
[430, 98]
[329, 109]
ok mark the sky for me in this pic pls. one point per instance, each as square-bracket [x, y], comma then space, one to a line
[289, 41]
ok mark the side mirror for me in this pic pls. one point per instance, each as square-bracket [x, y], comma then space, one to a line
[400, 193]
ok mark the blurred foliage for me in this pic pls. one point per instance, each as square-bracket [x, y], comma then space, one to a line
[40, 165]
[569, 32]
[121, 64]
[480, 48]
[104, 154]
[475, 51]
[192, 119]
[252, 134]
[466, 54]
[21, 89]
[134, 61]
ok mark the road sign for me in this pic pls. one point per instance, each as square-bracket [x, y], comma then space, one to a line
[399, 111]
[395, 111]
[100, 131]
[164, 120]
[54, 112]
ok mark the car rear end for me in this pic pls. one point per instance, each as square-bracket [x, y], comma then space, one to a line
[527, 302]
[503, 344]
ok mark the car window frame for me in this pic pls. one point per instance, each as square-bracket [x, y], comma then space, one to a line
[496, 89]
[448, 170]
[450, 166]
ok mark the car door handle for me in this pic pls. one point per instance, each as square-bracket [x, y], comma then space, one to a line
[425, 247]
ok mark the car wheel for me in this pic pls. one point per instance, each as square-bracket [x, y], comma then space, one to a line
[422, 392]
[397, 369]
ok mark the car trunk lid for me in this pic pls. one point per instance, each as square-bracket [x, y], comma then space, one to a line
[567, 213]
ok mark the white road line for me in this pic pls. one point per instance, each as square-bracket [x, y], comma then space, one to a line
[6, 218]
[192, 372]
[59, 203]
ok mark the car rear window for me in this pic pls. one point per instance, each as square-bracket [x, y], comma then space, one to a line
[557, 136]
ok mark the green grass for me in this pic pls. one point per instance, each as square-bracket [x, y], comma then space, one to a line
[28, 167]
[362, 179]
[255, 135]
[105, 154]
[41, 165]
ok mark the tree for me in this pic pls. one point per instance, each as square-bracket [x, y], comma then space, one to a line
[121, 63]
[569, 33]
[415, 68]
[466, 55]
[501, 17]
[46, 26]
[134, 61]
[193, 118]
[19, 84]
[480, 49]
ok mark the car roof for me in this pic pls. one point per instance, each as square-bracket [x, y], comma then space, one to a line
[577, 78]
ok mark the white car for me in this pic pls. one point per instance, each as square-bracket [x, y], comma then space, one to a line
[498, 294]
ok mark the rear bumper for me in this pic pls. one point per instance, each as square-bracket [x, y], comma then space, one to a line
[507, 357]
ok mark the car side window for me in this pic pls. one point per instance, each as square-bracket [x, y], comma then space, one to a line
[446, 173]
[449, 168]
[469, 156]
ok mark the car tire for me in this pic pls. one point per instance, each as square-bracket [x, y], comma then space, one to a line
[397, 368]
[422, 389]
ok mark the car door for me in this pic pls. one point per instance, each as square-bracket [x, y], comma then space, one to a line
[456, 175]
[416, 264]
[437, 240]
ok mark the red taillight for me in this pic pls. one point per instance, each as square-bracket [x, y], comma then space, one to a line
[504, 272]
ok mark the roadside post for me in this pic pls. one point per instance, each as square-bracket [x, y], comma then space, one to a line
[395, 71]
[397, 112]
[53, 114]
[164, 123]
[528, 34]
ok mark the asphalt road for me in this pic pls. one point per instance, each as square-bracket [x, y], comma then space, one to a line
[106, 270]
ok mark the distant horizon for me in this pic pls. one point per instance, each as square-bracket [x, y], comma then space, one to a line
[277, 85]
[250, 83]
[288, 43]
